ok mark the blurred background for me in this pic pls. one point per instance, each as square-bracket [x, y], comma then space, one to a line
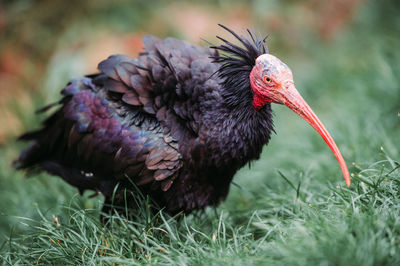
[344, 55]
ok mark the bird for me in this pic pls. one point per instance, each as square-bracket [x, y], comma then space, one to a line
[176, 122]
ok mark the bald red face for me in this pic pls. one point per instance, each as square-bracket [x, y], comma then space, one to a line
[272, 82]
[269, 80]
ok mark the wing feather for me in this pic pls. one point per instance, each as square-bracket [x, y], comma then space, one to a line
[167, 75]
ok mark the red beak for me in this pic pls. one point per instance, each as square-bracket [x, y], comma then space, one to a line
[292, 99]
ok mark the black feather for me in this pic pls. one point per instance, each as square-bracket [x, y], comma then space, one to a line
[236, 65]
[162, 119]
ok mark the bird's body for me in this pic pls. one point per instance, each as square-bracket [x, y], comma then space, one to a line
[177, 122]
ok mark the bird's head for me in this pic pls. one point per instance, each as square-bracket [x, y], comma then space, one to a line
[271, 81]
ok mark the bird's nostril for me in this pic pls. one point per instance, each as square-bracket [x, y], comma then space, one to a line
[288, 83]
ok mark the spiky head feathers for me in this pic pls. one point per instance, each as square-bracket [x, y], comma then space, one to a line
[249, 73]
[236, 64]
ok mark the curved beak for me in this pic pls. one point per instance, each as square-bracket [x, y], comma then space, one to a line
[292, 99]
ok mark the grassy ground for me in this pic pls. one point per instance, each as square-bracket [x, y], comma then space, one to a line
[292, 207]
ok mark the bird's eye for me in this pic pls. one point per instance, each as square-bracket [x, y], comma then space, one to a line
[267, 79]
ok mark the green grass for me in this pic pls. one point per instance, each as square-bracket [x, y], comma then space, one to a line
[291, 208]
[277, 225]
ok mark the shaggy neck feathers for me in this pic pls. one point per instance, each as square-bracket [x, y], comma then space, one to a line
[237, 128]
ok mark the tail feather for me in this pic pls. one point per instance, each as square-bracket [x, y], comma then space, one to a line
[46, 108]
[30, 135]
[43, 142]
[54, 148]
[29, 157]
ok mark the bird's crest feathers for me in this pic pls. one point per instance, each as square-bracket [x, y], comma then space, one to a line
[237, 61]
[238, 56]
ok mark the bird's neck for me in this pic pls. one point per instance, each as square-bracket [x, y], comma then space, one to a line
[238, 134]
